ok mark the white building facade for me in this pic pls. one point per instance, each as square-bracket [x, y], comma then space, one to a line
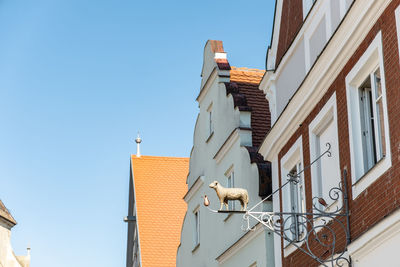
[7, 256]
[232, 121]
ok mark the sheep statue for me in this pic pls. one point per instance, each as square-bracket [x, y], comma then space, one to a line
[225, 194]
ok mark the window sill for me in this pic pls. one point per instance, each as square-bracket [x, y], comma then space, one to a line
[368, 172]
[195, 248]
[209, 137]
[290, 248]
[370, 176]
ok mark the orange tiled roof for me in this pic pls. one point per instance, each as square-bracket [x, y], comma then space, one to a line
[160, 184]
[246, 75]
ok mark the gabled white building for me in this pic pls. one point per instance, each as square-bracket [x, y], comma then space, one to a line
[7, 256]
[232, 122]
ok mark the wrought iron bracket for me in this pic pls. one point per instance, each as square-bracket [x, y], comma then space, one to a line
[315, 232]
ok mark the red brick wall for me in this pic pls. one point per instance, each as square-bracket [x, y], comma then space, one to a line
[383, 196]
[291, 21]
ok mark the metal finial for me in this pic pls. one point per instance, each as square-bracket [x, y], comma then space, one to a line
[138, 140]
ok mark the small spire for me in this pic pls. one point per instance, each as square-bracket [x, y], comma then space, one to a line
[138, 140]
[28, 250]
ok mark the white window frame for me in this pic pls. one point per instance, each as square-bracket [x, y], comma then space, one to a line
[327, 115]
[367, 64]
[292, 158]
[196, 227]
[397, 15]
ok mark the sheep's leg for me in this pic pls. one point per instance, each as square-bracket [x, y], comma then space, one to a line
[245, 206]
[226, 205]
[222, 204]
[241, 204]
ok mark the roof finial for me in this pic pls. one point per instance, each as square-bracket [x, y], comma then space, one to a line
[138, 140]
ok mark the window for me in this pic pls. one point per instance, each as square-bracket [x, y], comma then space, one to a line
[196, 234]
[231, 184]
[368, 118]
[297, 201]
[371, 118]
[209, 121]
[293, 194]
[307, 4]
[325, 172]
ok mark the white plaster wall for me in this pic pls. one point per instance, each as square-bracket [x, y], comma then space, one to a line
[225, 121]
[7, 257]
[217, 232]
[379, 245]
[250, 254]
[290, 78]
[384, 255]
[321, 23]
[318, 40]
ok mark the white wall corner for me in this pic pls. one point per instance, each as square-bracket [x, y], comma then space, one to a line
[268, 86]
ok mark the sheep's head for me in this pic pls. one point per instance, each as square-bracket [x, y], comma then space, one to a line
[214, 184]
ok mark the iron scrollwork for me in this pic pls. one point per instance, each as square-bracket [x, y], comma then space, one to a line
[322, 233]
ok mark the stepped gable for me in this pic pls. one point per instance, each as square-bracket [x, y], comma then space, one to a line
[4, 213]
[243, 87]
[217, 47]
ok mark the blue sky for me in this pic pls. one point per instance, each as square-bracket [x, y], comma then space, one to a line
[78, 79]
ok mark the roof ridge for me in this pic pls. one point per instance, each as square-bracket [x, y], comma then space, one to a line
[5, 213]
[246, 75]
[245, 69]
[157, 157]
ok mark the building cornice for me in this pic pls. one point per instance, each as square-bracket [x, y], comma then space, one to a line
[375, 236]
[357, 23]
[222, 75]
[204, 90]
[194, 188]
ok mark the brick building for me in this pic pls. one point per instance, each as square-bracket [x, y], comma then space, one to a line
[333, 77]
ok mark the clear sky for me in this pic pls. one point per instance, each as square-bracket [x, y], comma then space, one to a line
[78, 79]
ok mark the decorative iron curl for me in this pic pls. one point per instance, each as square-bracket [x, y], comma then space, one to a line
[335, 194]
[313, 232]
